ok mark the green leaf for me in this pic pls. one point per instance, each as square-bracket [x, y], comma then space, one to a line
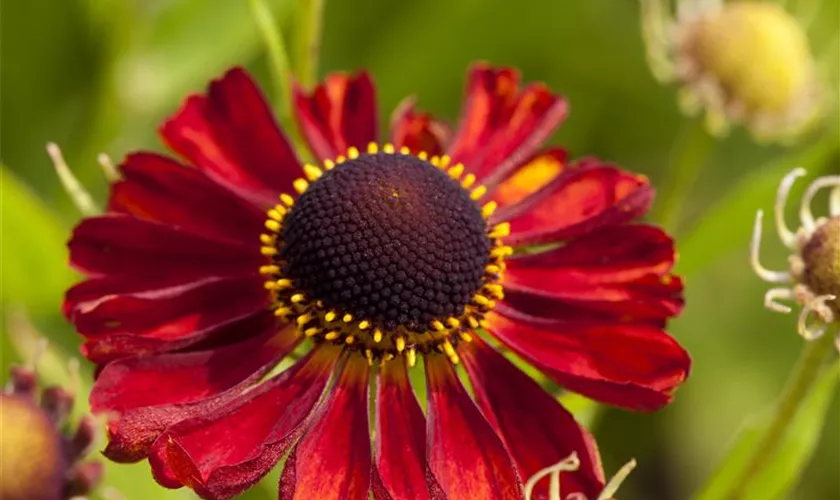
[33, 251]
[779, 477]
[727, 225]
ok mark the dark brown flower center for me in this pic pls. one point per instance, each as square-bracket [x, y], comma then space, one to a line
[387, 238]
[821, 255]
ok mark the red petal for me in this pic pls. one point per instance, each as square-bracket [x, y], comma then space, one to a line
[530, 177]
[160, 189]
[536, 429]
[418, 131]
[170, 313]
[332, 460]
[339, 113]
[402, 470]
[124, 245]
[225, 452]
[501, 125]
[465, 454]
[629, 365]
[231, 135]
[620, 271]
[106, 348]
[649, 298]
[585, 198]
[145, 395]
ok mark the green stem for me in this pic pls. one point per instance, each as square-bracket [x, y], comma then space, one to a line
[690, 152]
[798, 387]
[278, 59]
[308, 41]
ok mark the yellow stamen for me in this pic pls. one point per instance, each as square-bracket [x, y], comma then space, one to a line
[478, 192]
[287, 200]
[283, 283]
[329, 164]
[466, 337]
[347, 318]
[405, 151]
[372, 148]
[488, 209]
[300, 185]
[493, 269]
[330, 316]
[388, 148]
[437, 325]
[453, 322]
[456, 171]
[298, 297]
[467, 181]
[272, 225]
[423, 155]
[472, 321]
[364, 325]
[481, 300]
[352, 153]
[311, 332]
[302, 319]
[369, 356]
[269, 269]
[282, 311]
[349, 339]
[331, 335]
[501, 230]
[448, 349]
[266, 239]
[341, 159]
[400, 344]
[268, 251]
[377, 336]
[312, 172]
[275, 214]
[444, 161]
[412, 357]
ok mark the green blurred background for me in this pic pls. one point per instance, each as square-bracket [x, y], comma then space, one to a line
[100, 75]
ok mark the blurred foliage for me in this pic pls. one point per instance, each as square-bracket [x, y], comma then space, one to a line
[100, 75]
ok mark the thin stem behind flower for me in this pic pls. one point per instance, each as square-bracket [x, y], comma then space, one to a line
[802, 380]
[308, 47]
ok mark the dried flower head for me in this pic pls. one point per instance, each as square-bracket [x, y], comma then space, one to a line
[746, 63]
[813, 277]
[38, 459]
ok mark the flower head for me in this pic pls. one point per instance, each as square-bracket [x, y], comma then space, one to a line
[743, 62]
[204, 275]
[813, 277]
[37, 460]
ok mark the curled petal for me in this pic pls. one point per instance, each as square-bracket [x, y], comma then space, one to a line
[501, 125]
[145, 395]
[221, 454]
[401, 468]
[418, 131]
[159, 189]
[536, 429]
[465, 454]
[339, 113]
[634, 366]
[231, 135]
[336, 445]
[587, 197]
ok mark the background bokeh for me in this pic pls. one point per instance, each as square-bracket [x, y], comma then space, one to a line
[100, 75]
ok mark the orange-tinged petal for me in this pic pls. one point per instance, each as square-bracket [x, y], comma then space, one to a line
[332, 460]
[231, 135]
[465, 454]
[337, 114]
[537, 430]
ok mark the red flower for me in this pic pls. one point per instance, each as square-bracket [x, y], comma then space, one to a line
[201, 280]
